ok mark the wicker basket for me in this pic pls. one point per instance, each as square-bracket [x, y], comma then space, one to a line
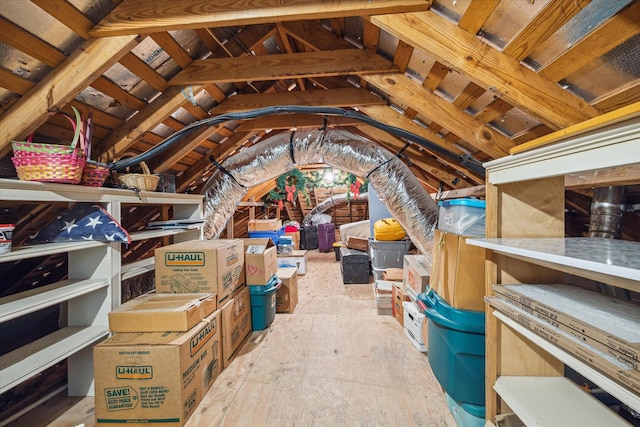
[66, 169]
[142, 181]
[94, 174]
[29, 148]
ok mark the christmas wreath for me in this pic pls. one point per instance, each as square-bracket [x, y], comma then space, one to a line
[288, 185]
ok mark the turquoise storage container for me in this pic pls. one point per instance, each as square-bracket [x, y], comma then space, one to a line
[263, 303]
[466, 415]
[456, 349]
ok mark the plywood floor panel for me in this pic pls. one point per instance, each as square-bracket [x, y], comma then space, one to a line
[333, 362]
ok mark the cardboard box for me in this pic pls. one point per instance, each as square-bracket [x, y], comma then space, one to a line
[271, 224]
[398, 296]
[297, 258]
[295, 238]
[358, 243]
[416, 272]
[236, 325]
[162, 312]
[287, 294]
[260, 258]
[213, 266]
[393, 274]
[457, 274]
[144, 378]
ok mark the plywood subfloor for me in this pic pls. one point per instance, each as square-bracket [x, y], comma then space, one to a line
[334, 362]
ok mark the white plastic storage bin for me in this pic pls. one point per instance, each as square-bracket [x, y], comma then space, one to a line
[388, 254]
[413, 323]
[462, 216]
[382, 291]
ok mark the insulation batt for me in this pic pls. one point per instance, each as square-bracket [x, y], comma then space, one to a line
[398, 189]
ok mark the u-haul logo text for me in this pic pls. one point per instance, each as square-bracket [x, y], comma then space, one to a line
[201, 338]
[192, 259]
[134, 372]
[232, 259]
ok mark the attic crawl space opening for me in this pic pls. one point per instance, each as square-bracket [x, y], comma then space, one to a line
[397, 187]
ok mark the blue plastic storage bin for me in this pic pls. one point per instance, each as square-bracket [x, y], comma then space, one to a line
[456, 349]
[462, 216]
[263, 303]
[466, 415]
[267, 234]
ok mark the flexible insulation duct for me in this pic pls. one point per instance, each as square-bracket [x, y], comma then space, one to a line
[397, 187]
[329, 202]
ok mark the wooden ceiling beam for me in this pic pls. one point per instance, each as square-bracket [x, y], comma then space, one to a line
[61, 86]
[350, 97]
[441, 111]
[152, 16]
[612, 33]
[488, 67]
[295, 121]
[546, 22]
[283, 66]
[625, 95]
[477, 14]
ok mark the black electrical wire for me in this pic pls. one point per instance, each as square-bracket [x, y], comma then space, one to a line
[466, 160]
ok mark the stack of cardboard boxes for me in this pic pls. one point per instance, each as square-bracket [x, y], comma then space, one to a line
[168, 347]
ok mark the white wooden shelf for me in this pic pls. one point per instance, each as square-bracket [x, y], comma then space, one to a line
[95, 271]
[604, 381]
[47, 249]
[151, 234]
[30, 191]
[45, 352]
[554, 401]
[611, 260]
[137, 268]
[26, 302]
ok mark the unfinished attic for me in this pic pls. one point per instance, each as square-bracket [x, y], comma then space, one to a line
[323, 205]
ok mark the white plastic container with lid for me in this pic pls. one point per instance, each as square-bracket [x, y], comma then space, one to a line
[6, 235]
[285, 245]
[462, 216]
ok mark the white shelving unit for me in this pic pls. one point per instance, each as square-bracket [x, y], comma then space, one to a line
[526, 244]
[94, 279]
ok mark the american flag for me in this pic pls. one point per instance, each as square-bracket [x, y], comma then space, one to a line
[82, 221]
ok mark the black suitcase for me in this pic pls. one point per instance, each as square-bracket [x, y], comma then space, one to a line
[309, 237]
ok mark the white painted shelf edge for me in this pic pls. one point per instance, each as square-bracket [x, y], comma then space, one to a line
[137, 268]
[150, 234]
[45, 249]
[26, 302]
[29, 191]
[37, 356]
[604, 381]
[554, 401]
[599, 262]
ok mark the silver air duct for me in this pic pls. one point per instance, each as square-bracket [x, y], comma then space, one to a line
[607, 210]
[398, 189]
[337, 199]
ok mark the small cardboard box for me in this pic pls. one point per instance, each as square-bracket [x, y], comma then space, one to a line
[162, 312]
[260, 259]
[271, 224]
[213, 266]
[457, 274]
[296, 258]
[236, 325]
[393, 274]
[398, 296]
[358, 243]
[416, 270]
[143, 378]
[287, 294]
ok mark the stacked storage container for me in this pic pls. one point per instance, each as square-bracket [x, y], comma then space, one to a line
[387, 254]
[455, 310]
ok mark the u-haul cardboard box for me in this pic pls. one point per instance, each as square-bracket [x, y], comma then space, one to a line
[156, 378]
[261, 261]
[162, 312]
[200, 266]
[236, 325]
[287, 294]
